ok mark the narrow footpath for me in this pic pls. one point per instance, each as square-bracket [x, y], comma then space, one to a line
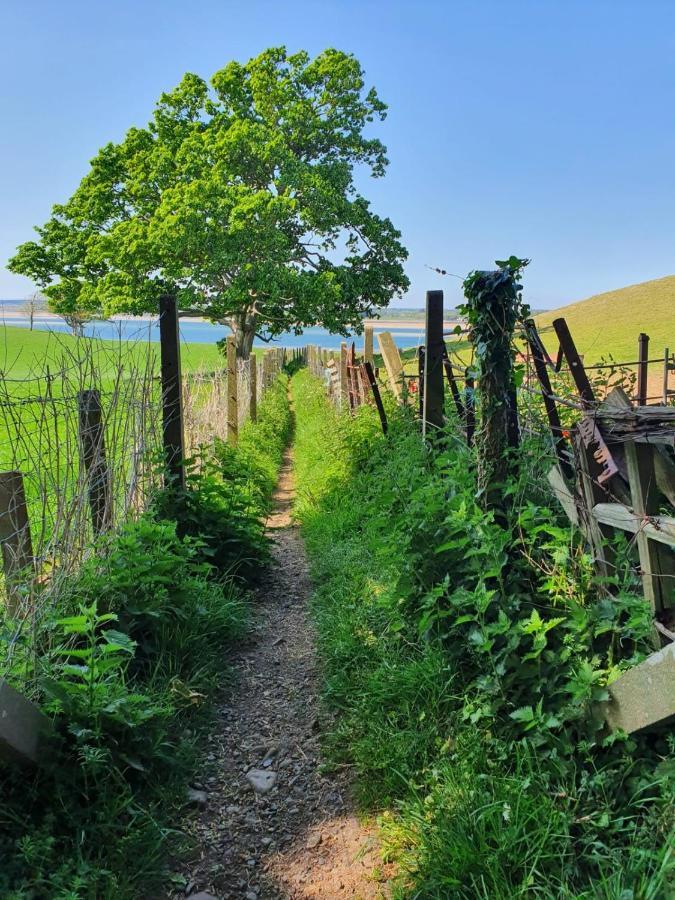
[272, 825]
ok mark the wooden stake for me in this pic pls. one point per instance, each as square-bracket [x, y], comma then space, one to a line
[172, 394]
[643, 366]
[92, 446]
[344, 380]
[15, 539]
[372, 381]
[253, 383]
[433, 362]
[232, 393]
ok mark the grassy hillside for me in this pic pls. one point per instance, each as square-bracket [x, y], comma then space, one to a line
[611, 322]
[23, 351]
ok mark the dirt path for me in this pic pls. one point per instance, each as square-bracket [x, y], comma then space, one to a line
[297, 838]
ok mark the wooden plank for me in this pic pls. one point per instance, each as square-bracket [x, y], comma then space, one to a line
[664, 468]
[22, 726]
[392, 363]
[563, 494]
[644, 494]
[92, 448]
[15, 538]
[656, 528]
[592, 494]
[368, 345]
[644, 696]
[172, 394]
[232, 393]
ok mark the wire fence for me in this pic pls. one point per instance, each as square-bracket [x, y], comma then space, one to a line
[82, 451]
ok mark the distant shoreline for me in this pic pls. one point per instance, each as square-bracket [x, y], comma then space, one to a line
[12, 314]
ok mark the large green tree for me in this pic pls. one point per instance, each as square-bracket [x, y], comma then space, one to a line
[240, 198]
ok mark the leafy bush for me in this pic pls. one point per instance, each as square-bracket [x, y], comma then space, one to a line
[465, 659]
[126, 670]
[229, 489]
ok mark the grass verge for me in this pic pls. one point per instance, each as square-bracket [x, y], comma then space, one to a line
[464, 668]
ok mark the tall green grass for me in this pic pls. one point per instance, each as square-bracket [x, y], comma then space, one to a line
[423, 677]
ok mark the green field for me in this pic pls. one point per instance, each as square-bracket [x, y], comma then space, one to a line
[23, 351]
[610, 323]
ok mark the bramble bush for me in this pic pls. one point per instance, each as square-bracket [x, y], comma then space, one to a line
[465, 658]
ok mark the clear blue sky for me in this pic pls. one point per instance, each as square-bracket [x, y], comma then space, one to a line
[545, 129]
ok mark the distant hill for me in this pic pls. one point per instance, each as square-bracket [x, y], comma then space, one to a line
[610, 323]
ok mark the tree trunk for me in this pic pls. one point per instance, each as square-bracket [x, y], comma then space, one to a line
[243, 327]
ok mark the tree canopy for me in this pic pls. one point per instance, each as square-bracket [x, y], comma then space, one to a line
[240, 198]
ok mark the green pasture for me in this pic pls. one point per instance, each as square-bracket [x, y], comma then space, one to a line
[610, 323]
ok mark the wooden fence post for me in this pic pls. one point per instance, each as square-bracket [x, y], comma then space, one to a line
[370, 375]
[253, 388]
[577, 370]
[469, 407]
[92, 444]
[368, 346]
[643, 364]
[434, 347]
[536, 349]
[666, 370]
[15, 539]
[344, 384]
[392, 363]
[172, 394]
[232, 393]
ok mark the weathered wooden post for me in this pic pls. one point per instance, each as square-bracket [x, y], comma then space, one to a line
[232, 393]
[253, 388]
[372, 381]
[92, 446]
[344, 383]
[643, 364]
[493, 307]
[434, 348]
[392, 363]
[172, 394]
[666, 370]
[368, 345]
[15, 539]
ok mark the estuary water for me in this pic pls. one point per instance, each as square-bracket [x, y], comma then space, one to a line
[194, 331]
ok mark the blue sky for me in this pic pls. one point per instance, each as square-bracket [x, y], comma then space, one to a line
[544, 129]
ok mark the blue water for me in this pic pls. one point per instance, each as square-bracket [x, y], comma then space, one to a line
[206, 333]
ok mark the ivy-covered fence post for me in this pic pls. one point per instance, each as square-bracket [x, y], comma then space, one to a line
[493, 308]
